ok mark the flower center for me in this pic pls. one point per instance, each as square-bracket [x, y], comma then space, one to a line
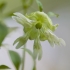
[38, 25]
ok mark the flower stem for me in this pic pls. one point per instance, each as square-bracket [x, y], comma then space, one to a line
[34, 67]
[23, 58]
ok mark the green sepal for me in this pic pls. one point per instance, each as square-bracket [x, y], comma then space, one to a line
[40, 5]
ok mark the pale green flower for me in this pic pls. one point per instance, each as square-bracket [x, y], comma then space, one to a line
[38, 27]
[38, 23]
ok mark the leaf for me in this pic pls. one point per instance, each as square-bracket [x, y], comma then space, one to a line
[29, 52]
[4, 67]
[40, 5]
[15, 59]
[3, 32]
[51, 14]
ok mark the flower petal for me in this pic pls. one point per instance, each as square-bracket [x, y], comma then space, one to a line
[20, 18]
[54, 40]
[44, 19]
[62, 42]
[37, 49]
[17, 40]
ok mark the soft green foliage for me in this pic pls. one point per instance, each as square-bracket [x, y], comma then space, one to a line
[4, 67]
[3, 32]
[15, 59]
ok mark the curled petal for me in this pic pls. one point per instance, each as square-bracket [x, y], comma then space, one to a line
[54, 27]
[17, 40]
[21, 19]
[22, 40]
[54, 40]
[19, 45]
[62, 42]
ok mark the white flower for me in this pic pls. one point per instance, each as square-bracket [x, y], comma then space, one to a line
[39, 25]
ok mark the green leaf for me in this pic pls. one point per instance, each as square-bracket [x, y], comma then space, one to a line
[29, 52]
[39, 5]
[51, 14]
[4, 67]
[3, 32]
[15, 59]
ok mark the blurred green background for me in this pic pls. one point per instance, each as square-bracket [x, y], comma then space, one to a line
[48, 4]
[53, 59]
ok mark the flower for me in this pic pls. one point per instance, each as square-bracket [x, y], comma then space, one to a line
[38, 27]
[38, 23]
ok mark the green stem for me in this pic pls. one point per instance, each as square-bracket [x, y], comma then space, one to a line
[23, 54]
[34, 67]
[23, 58]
